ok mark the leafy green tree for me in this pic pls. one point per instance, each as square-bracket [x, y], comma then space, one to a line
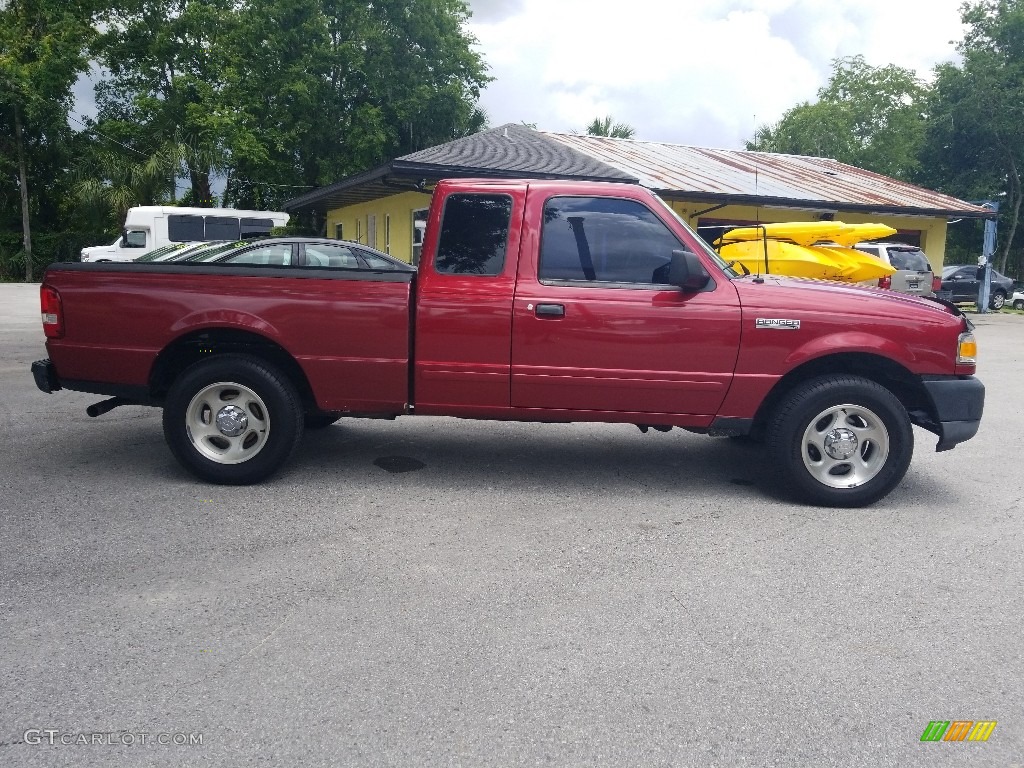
[604, 126]
[42, 52]
[164, 95]
[326, 88]
[870, 117]
[974, 144]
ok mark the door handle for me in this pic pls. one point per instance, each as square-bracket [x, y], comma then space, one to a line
[550, 310]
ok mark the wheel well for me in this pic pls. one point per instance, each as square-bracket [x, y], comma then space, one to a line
[907, 387]
[201, 345]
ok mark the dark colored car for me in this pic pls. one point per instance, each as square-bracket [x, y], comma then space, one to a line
[303, 252]
[960, 282]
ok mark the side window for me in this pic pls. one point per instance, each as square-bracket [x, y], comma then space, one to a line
[252, 228]
[134, 238]
[221, 228]
[266, 255]
[474, 234]
[604, 240]
[183, 228]
[373, 261]
[871, 252]
[337, 256]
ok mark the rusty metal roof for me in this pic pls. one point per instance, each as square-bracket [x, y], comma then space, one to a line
[730, 175]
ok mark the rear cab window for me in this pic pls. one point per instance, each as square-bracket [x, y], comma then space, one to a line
[474, 234]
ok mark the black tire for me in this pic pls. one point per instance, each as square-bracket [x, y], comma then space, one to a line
[1018, 304]
[853, 471]
[254, 402]
[320, 419]
[998, 300]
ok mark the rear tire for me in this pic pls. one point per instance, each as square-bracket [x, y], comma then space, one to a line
[841, 441]
[232, 419]
[998, 300]
[1018, 304]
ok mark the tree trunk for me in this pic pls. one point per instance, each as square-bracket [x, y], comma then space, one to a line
[201, 193]
[1015, 191]
[26, 229]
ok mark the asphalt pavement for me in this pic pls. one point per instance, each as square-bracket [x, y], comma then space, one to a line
[436, 592]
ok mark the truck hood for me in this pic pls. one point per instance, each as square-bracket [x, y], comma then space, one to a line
[794, 293]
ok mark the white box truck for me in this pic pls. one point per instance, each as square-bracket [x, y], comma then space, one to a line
[151, 226]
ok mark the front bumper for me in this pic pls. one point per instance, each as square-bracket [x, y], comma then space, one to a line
[957, 404]
[45, 375]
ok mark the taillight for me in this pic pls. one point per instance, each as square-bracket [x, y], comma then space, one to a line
[885, 282]
[936, 283]
[53, 313]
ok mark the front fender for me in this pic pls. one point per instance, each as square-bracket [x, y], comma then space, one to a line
[845, 342]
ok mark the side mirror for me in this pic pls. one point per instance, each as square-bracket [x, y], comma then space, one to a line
[686, 272]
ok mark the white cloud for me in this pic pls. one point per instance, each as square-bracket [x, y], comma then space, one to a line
[688, 73]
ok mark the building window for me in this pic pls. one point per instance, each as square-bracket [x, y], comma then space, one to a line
[359, 233]
[387, 233]
[371, 230]
[339, 232]
[419, 231]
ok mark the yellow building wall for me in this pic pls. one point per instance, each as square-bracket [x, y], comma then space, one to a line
[933, 230]
[354, 220]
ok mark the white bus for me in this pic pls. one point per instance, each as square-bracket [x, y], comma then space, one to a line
[151, 226]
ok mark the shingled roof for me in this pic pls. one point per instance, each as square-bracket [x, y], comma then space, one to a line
[717, 176]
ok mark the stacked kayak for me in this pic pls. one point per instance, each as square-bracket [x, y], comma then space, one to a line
[815, 249]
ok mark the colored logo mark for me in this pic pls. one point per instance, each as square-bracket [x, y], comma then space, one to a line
[958, 730]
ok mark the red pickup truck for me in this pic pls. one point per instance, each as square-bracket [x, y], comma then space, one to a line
[534, 301]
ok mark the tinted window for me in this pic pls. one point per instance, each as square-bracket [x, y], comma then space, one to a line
[474, 234]
[182, 228]
[221, 228]
[604, 240]
[269, 255]
[869, 251]
[337, 256]
[254, 227]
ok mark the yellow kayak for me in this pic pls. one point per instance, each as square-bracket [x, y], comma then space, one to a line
[859, 266]
[855, 233]
[799, 232]
[788, 259]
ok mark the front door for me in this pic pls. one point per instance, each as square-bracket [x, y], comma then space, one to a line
[596, 326]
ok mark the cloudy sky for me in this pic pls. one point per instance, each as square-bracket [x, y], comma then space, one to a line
[694, 73]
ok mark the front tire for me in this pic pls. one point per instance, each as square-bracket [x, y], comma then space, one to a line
[1018, 304]
[232, 419]
[998, 300]
[841, 441]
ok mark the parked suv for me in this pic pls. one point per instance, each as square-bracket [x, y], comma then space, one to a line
[962, 283]
[913, 273]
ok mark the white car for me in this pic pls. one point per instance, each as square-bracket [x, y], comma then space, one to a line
[1017, 300]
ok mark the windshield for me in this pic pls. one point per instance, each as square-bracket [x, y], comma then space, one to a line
[711, 252]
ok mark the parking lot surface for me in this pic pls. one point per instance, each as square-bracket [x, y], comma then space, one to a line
[439, 592]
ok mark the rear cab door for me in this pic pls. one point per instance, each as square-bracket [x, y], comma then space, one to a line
[596, 328]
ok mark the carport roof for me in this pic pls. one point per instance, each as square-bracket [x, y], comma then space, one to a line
[715, 176]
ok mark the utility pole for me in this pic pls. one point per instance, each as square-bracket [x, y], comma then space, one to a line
[988, 250]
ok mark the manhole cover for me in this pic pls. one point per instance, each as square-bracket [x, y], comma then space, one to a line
[399, 464]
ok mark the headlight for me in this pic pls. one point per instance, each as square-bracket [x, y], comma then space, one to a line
[967, 350]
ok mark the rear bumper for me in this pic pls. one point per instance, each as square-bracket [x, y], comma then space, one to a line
[46, 376]
[957, 405]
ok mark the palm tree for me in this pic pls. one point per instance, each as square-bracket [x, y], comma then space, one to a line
[604, 127]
